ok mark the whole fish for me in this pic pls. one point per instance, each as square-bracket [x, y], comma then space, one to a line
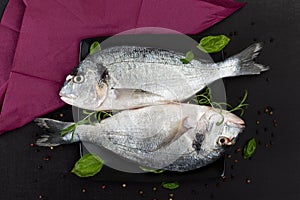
[175, 137]
[125, 77]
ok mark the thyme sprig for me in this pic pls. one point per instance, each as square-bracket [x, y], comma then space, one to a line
[88, 119]
[242, 105]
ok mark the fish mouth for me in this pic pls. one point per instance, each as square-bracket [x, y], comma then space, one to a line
[231, 141]
[68, 100]
[240, 124]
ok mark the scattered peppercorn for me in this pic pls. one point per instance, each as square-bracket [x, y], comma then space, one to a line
[103, 187]
[266, 110]
[154, 188]
[83, 190]
[238, 150]
[267, 145]
[32, 145]
[257, 122]
[141, 192]
[248, 180]
[236, 161]
[124, 185]
[47, 158]
[229, 156]
[61, 114]
[275, 123]
[223, 178]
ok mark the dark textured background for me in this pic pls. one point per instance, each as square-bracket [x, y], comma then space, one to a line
[26, 173]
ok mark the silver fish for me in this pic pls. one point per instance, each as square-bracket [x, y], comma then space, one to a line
[124, 77]
[175, 137]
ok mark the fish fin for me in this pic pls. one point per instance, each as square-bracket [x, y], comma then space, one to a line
[170, 102]
[132, 92]
[53, 136]
[178, 131]
[247, 65]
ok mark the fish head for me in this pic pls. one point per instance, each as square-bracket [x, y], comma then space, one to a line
[85, 87]
[220, 129]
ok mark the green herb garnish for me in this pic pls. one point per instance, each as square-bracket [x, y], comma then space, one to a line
[170, 185]
[95, 47]
[249, 148]
[213, 44]
[88, 119]
[206, 99]
[68, 129]
[189, 56]
[242, 106]
[88, 165]
[155, 171]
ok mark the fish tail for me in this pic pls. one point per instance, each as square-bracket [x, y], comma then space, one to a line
[247, 65]
[53, 135]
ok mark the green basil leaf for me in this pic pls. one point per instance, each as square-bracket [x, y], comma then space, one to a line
[95, 47]
[184, 61]
[189, 56]
[88, 165]
[170, 185]
[155, 171]
[213, 44]
[249, 148]
[68, 129]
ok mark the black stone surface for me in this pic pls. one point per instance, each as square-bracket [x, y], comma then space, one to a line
[273, 172]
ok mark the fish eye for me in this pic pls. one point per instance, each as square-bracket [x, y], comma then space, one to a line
[222, 140]
[78, 79]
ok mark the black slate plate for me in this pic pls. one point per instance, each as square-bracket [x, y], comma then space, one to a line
[214, 170]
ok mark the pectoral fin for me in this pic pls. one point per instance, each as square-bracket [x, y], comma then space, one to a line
[153, 143]
[133, 93]
[183, 126]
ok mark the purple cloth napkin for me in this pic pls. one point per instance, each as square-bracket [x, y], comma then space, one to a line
[50, 33]
[9, 34]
